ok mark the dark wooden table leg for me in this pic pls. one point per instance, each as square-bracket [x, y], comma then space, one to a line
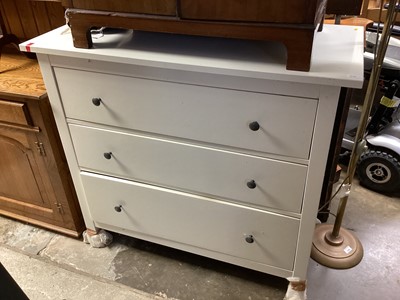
[81, 35]
[299, 48]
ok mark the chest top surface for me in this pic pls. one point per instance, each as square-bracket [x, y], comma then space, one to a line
[337, 58]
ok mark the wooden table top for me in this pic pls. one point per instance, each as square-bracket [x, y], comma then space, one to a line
[20, 76]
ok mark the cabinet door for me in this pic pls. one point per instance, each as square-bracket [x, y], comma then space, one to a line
[23, 188]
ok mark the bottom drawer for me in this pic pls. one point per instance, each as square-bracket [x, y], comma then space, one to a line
[193, 220]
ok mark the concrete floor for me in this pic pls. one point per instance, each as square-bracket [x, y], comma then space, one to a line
[52, 266]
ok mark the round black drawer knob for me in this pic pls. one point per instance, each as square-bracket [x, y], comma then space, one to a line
[118, 208]
[250, 239]
[96, 101]
[254, 126]
[251, 184]
[107, 155]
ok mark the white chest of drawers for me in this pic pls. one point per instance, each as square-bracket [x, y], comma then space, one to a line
[206, 145]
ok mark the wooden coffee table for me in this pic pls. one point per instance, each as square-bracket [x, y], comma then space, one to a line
[291, 22]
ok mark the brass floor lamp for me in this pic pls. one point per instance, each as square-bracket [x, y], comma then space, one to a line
[333, 246]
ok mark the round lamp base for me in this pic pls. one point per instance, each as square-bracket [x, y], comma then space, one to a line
[342, 252]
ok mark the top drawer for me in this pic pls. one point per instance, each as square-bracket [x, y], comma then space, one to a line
[208, 114]
[14, 112]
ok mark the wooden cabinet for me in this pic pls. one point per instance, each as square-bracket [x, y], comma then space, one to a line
[35, 184]
[206, 145]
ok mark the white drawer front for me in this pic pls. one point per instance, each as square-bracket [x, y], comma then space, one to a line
[213, 115]
[191, 168]
[197, 221]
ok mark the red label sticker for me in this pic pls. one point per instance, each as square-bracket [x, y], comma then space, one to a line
[28, 47]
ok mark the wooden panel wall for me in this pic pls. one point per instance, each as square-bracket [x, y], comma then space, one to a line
[27, 19]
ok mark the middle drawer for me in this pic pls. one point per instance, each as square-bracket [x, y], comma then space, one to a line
[242, 178]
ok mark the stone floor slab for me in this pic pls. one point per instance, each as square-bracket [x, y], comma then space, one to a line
[41, 280]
